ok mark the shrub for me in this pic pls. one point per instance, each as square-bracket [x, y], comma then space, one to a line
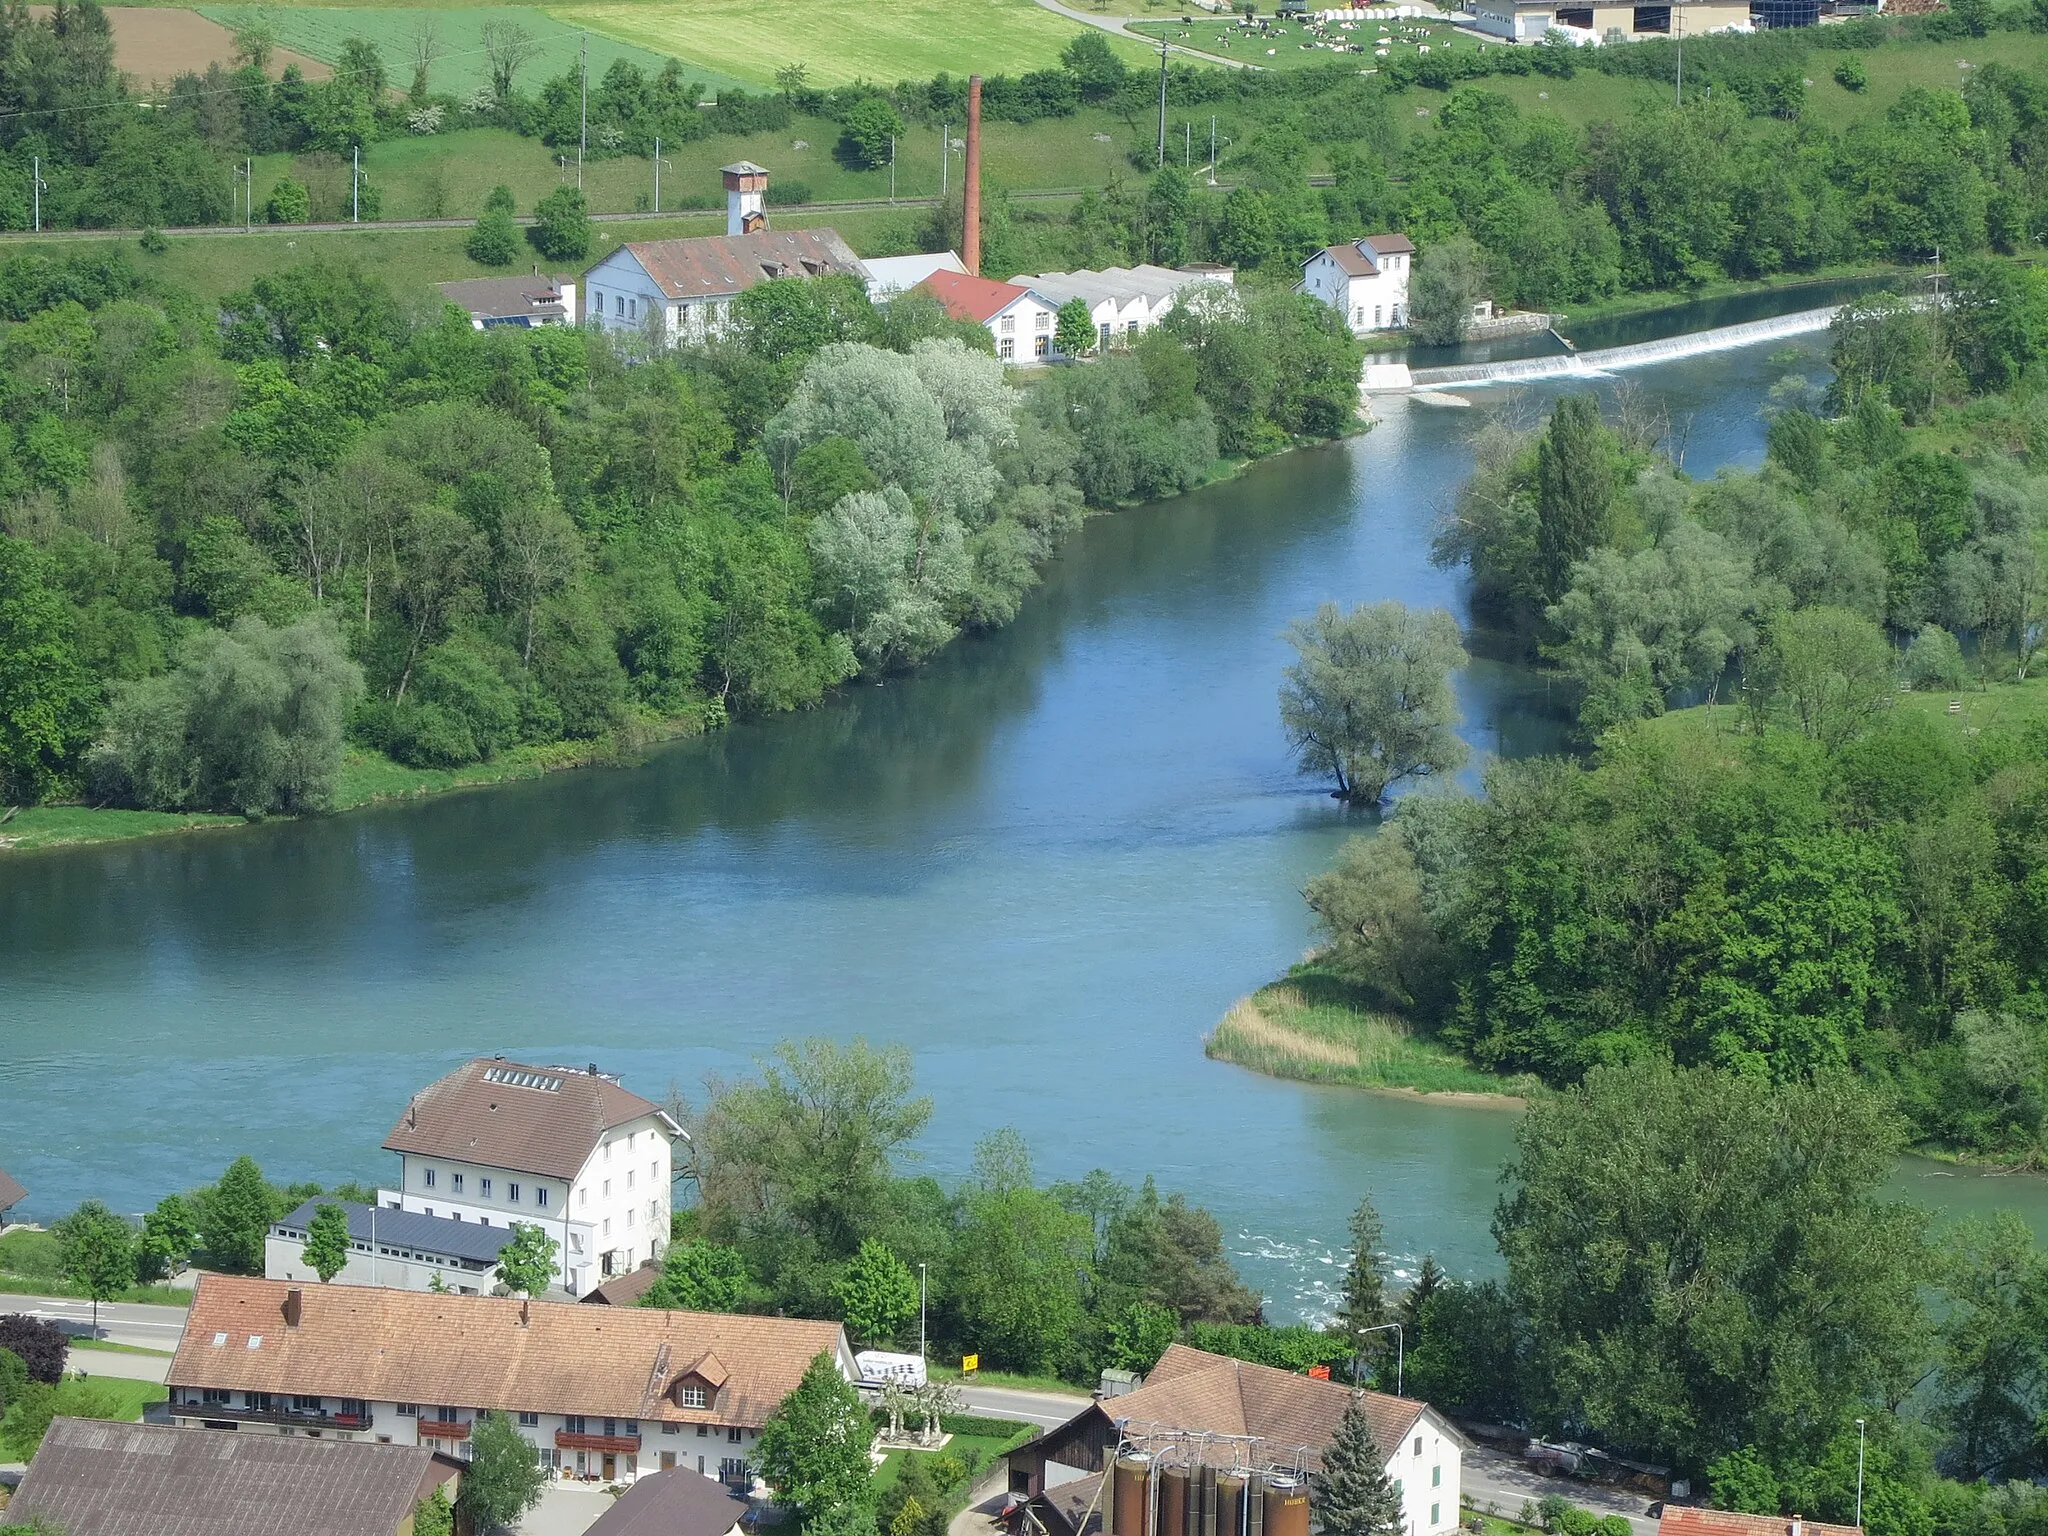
[494, 242]
[38, 1342]
[290, 203]
[561, 227]
[1934, 660]
[1850, 74]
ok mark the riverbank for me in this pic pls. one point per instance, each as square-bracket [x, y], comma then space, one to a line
[367, 778]
[1308, 1027]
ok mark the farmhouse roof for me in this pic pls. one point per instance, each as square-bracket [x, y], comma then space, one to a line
[1191, 1389]
[623, 1290]
[1360, 258]
[505, 298]
[386, 1345]
[93, 1478]
[1684, 1520]
[979, 299]
[673, 1502]
[11, 1192]
[442, 1235]
[717, 266]
[543, 1120]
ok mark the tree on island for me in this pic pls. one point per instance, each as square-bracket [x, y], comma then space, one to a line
[1353, 1494]
[1369, 701]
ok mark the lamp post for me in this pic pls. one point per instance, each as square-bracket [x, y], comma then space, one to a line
[1859, 1474]
[920, 1312]
[1400, 1363]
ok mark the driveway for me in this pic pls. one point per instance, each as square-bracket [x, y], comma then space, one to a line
[565, 1509]
[1508, 1482]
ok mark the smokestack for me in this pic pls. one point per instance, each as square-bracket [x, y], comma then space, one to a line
[970, 237]
[294, 1306]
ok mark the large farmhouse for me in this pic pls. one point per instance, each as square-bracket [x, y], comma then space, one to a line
[603, 1393]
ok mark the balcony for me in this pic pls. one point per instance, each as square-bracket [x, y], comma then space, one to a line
[295, 1418]
[434, 1429]
[611, 1445]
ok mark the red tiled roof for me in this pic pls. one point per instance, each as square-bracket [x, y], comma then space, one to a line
[979, 299]
[385, 1345]
[1358, 258]
[543, 1120]
[1191, 1389]
[11, 1193]
[1685, 1520]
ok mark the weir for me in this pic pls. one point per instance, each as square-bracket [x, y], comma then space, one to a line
[1613, 359]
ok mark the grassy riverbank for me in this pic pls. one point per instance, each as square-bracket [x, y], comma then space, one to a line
[1308, 1027]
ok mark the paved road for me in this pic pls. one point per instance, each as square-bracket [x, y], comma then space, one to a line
[1048, 1410]
[1116, 24]
[121, 1322]
[1509, 1482]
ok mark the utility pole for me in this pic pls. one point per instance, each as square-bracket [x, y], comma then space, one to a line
[1859, 1474]
[1212, 149]
[945, 158]
[355, 188]
[583, 131]
[892, 167]
[657, 175]
[36, 181]
[1162, 101]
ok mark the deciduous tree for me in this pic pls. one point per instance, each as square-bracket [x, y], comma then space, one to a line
[526, 1265]
[98, 1253]
[502, 1481]
[327, 1241]
[1369, 700]
[700, 1277]
[814, 1448]
[877, 1294]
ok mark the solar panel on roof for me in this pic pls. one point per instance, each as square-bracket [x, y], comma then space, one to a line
[517, 1078]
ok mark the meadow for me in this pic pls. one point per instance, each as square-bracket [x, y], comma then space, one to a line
[841, 41]
[1288, 46]
[320, 31]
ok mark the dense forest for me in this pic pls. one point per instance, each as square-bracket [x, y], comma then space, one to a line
[1740, 181]
[233, 535]
[1818, 873]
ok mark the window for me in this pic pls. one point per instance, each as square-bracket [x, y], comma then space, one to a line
[733, 1434]
[1009, 325]
[653, 1171]
[693, 1397]
[611, 1426]
[1376, 313]
[671, 1429]
[631, 1138]
[528, 1420]
[1436, 1477]
[1102, 333]
[573, 1423]
[256, 1402]
[629, 1217]
[607, 1189]
[428, 1179]
[1418, 1445]
[540, 1196]
[607, 1226]
[483, 1187]
[1006, 349]
[408, 1410]
[583, 1195]
[1433, 1513]
[607, 1151]
[1041, 346]
[214, 1395]
[632, 1426]
[1044, 321]
[512, 1193]
[575, 1242]
[629, 1178]
[446, 1415]
[304, 1404]
[430, 1210]
[619, 305]
[703, 1430]
[458, 1183]
[1358, 315]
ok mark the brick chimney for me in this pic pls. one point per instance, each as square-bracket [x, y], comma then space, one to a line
[970, 219]
[294, 1307]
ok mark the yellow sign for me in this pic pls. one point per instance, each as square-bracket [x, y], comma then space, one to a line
[969, 1364]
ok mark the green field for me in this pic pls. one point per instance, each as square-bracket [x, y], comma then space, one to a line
[320, 31]
[840, 41]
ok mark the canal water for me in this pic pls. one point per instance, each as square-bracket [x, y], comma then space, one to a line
[1046, 864]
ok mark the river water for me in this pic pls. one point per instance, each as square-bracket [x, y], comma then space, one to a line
[1046, 864]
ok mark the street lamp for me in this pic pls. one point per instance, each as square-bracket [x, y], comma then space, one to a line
[1859, 1474]
[1399, 1353]
[920, 1312]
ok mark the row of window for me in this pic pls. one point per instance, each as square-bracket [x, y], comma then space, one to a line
[431, 1178]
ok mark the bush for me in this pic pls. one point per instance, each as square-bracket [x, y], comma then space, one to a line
[494, 242]
[561, 227]
[289, 203]
[39, 1344]
[788, 194]
[1850, 74]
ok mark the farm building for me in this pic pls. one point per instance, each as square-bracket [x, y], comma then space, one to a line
[1124, 302]
[1365, 281]
[1020, 319]
[528, 301]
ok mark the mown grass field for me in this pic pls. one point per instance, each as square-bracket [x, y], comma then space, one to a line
[1290, 45]
[840, 41]
[1307, 1027]
[320, 31]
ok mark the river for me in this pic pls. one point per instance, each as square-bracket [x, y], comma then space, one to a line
[1046, 864]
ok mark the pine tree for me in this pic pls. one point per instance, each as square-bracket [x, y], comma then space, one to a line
[1428, 1281]
[1363, 1306]
[1353, 1494]
[1574, 486]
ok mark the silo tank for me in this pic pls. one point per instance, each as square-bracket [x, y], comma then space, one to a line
[1255, 1505]
[1206, 1491]
[1230, 1504]
[1130, 1489]
[1173, 1502]
[1286, 1508]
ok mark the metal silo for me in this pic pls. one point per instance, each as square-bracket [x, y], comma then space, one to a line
[1286, 1507]
[1173, 1502]
[1130, 1489]
[1230, 1504]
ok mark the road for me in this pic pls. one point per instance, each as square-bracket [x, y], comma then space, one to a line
[1508, 1483]
[1048, 1410]
[1116, 24]
[121, 1322]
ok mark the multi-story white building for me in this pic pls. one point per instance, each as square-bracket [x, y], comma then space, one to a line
[1021, 320]
[1365, 281]
[568, 1150]
[402, 1248]
[602, 1393]
[1124, 302]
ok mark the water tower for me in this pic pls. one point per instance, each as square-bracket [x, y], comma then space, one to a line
[746, 197]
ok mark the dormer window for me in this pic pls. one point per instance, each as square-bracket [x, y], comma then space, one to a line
[693, 1395]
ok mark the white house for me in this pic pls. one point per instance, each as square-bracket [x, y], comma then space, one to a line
[495, 1142]
[1531, 21]
[603, 1394]
[1124, 302]
[682, 290]
[1020, 319]
[1365, 281]
[406, 1249]
[1197, 1410]
[889, 275]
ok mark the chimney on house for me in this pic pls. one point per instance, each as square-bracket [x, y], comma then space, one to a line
[746, 210]
[970, 214]
[1796, 1528]
[525, 1311]
[294, 1306]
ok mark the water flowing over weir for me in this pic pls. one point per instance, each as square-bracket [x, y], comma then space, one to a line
[1613, 359]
